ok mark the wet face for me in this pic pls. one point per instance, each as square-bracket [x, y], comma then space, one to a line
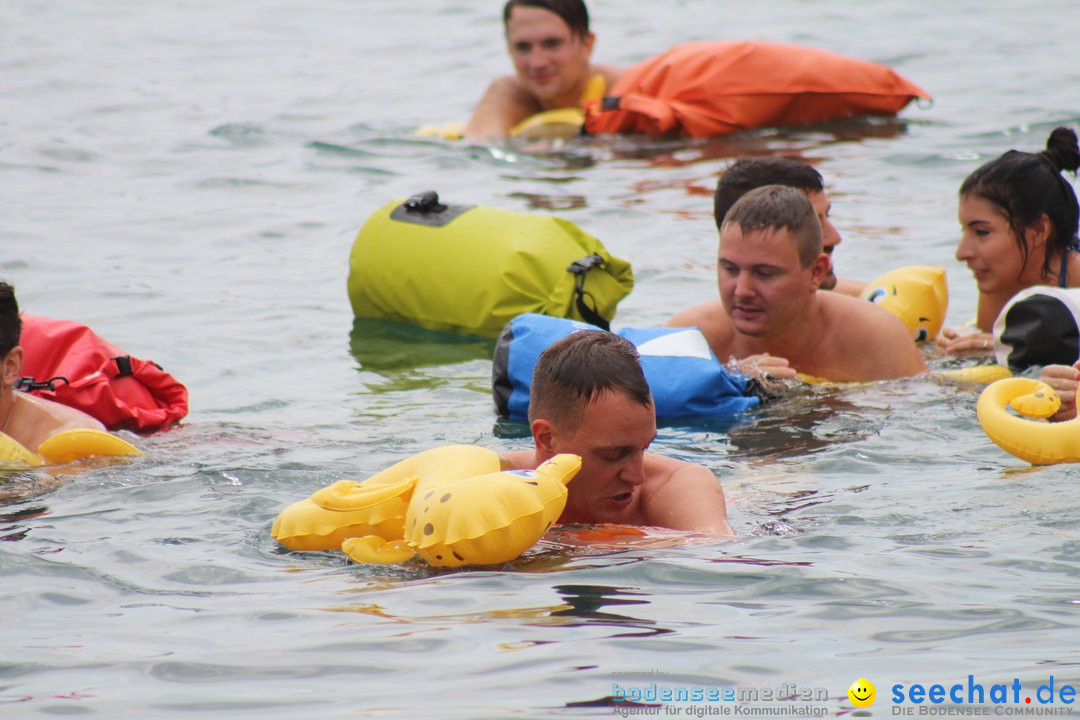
[830, 236]
[612, 439]
[762, 282]
[550, 60]
[988, 246]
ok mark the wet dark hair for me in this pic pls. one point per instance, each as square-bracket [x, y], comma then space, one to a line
[779, 207]
[746, 174]
[577, 369]
[573, 12]
[1024, 186]
[10, 322]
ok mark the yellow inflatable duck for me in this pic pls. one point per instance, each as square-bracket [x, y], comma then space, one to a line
[1039, 443]
[916, 294]
[452, 505]
[61, 448]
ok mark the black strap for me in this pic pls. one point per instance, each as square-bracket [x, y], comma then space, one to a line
[580, 269]
[123, 366]
[29, 384]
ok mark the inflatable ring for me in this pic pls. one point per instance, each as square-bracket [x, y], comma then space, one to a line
[1039, 443]
[452, 505]
[916, 294]
[63, 447]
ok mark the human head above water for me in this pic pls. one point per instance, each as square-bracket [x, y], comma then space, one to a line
[746, 174]
[577, 369]
[1025, 186]
[10, 322]
[573, 12]
[779, 207]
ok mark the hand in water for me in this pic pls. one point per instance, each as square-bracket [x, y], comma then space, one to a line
[764, 368]
[977, 343]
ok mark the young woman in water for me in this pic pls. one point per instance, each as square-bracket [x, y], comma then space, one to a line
[1019, 217]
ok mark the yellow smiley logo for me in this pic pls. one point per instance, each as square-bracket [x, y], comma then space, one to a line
[862, 693]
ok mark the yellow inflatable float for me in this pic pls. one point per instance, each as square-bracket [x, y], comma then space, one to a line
[916, 294]
[1025, 436]
[546, 125]
[451, 505]
[63, 447]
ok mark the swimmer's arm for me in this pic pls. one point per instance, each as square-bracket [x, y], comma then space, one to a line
[502, 107]
[1064, 379]
[690, 499]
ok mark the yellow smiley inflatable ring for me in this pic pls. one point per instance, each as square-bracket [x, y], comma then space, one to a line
[916, 294]
[1033, 440]
[451, 505]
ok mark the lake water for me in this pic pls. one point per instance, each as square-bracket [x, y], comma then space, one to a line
[188, 178]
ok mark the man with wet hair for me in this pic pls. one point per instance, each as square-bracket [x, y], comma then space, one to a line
[27, 419]
[772, 318]
[589, 397]
[550, 44]
[746, 174]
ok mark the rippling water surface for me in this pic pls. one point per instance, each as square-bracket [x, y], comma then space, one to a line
[188, 178]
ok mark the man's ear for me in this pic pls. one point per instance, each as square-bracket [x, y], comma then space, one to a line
[588, 41]
[11, 366]
[819, 270]
[544, 434]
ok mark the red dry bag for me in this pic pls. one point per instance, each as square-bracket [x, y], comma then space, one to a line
[67, 362]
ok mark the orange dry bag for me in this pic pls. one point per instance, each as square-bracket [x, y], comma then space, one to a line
[713, 88]
[67, 362]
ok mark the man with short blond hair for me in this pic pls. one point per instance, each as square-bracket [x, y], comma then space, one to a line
[589, 397]
[772, 318]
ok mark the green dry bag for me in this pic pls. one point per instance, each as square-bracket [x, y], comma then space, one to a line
[471, 269]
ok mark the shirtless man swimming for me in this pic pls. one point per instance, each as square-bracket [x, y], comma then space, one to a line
[589, 397]
[27, 419]
[772, 318]
[550, 44]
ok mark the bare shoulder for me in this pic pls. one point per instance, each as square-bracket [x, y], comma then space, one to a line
[39, 419]
[859, 316]
[711, 319]
[885, 347]
[69, 418]
[683, 496]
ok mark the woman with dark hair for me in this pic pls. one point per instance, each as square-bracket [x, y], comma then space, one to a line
[1019, 217]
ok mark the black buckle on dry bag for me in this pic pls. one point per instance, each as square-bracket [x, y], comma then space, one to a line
[425, 209]
[580, 269]
[29, 384]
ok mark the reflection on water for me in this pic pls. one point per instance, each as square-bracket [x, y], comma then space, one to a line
[585, 150]
[802, 422]
[399, 353]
